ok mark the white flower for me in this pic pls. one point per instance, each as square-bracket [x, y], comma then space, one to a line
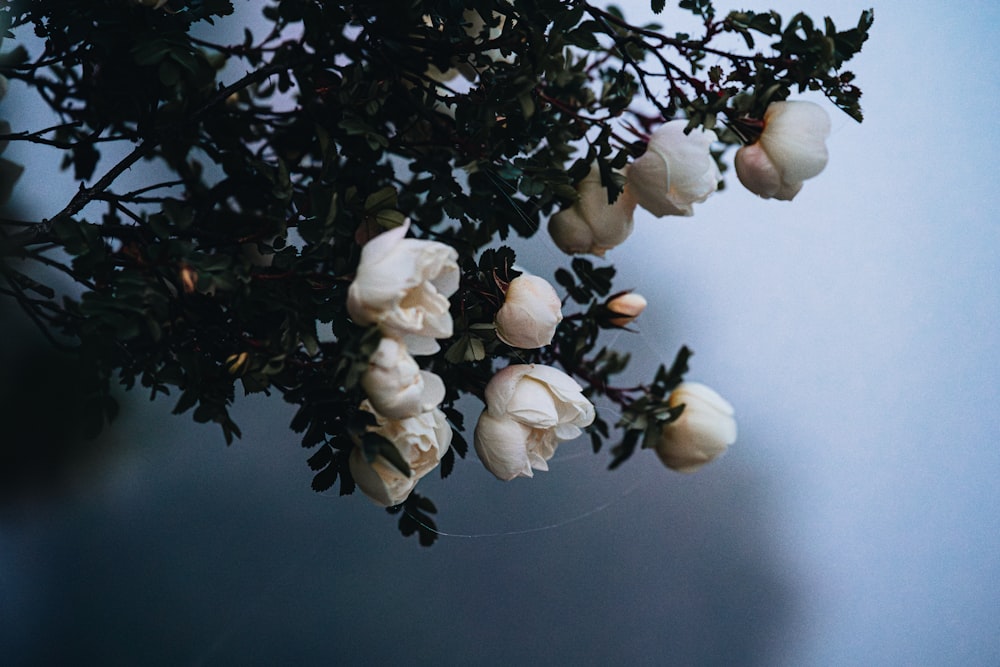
[624, 308]
[530, 313]
[676, 171]
[396, 386]
[421, 441]
[592, 225]
[403, 285]
[530, 408]
[704, 430]
[791, 149]
[155, 4]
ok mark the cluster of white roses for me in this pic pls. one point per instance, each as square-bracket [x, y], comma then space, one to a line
[403, 286]
[678, 170]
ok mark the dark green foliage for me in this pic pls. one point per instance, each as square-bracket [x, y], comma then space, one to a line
[264, 165]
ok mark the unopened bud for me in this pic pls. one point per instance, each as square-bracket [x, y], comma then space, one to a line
[624, 308]
[189, 279]
[237, 363]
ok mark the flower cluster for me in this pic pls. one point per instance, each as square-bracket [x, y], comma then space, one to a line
[342, 253]
[402, 286]
[679, 170]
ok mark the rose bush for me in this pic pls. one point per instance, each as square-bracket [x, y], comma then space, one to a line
[530, 313]
[421, 441]
[402, 285]
[592, 225]
[395, 385]
[530, 409]
[676, 171]
[704, 430]
[791, 149]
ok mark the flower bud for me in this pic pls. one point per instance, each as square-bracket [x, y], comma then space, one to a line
[530, 313]
[624, 308]
[237, 363]
[704, 430]
[791, 149]
[676, 171]
[396, 386]
[592, 225]
[189, 279]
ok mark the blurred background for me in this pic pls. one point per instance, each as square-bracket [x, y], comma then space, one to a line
[855, 521]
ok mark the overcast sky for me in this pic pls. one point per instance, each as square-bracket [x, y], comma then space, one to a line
[855, 522]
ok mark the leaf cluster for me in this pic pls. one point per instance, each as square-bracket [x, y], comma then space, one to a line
[264, 166]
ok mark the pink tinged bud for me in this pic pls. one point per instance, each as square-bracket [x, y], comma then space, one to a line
[530, 313]
[790, 150]
[704, 430]
[676, 171]
[592, 225]
[627, 307]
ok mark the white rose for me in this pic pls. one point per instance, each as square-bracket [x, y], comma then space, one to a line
[403, 285]
[676, 171]
[624, 308]
[791, 149]
[530, 313]
[421, 441]
[592, 225]
[396, 386]
[704, 430]
[530, 408]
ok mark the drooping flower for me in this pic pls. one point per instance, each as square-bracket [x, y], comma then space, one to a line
[592, 225]
[530, 313]
[396, 386]
[791, 149]
[624, 308]
[704, 430]
[420, 440]
[530, 409]
[402, 285]
[676, 171]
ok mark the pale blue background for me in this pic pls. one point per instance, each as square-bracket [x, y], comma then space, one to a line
[855, 522]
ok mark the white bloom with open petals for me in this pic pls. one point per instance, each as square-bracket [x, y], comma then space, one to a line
[530, 313]
[791, 149]
[421, 441]
[676, 171]
[402, 285]
[704, 430]
[592, 225]
[396, 386]
[530, 409]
